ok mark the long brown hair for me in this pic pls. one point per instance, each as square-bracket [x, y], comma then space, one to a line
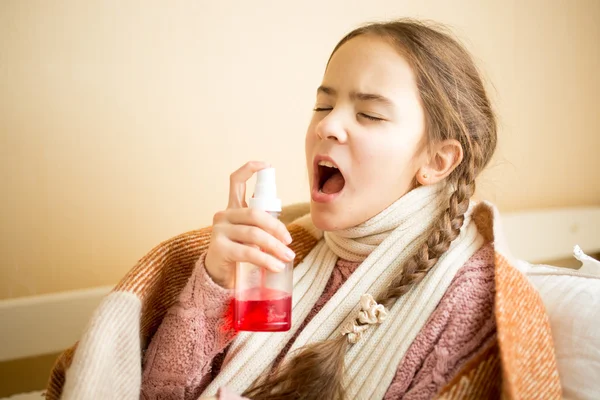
[456, 107]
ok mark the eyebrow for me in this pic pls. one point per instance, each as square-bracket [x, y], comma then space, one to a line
[358, 96]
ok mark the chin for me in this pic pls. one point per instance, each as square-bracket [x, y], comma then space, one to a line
[327, 218]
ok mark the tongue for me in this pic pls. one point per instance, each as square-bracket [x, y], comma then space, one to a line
[334, 184]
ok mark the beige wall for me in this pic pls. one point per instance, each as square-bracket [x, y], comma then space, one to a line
[120, 121]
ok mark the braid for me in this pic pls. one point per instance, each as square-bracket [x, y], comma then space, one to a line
[304, 375]
[444, 232]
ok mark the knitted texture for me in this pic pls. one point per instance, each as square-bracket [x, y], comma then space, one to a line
[195, 329]
[158, 279]
[392, 237]
[460, 325]
[107, 363]
[520, 314]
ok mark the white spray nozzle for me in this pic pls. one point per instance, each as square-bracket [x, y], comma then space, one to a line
[265, 192]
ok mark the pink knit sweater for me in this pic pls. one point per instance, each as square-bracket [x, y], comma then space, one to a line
[186, 352]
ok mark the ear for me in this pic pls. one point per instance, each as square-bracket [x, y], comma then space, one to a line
[444, 157]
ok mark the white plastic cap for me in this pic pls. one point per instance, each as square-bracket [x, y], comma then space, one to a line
[265, 192]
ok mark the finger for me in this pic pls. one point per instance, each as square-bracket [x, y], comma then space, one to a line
[254, 236]
[260, 219]
[237, 182]
[245, 253]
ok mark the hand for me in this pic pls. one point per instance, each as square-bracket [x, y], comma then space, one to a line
[241, 234]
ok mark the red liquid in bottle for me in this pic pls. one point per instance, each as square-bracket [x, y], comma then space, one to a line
[262, 310]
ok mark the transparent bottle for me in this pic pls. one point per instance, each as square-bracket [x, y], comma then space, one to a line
[263, 299]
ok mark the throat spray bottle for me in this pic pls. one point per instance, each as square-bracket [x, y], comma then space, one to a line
[263, 299]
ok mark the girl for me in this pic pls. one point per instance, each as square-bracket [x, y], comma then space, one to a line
[399, 291]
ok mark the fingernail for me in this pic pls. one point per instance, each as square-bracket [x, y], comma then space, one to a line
[280, 265]
[289, 254]
[288, 238]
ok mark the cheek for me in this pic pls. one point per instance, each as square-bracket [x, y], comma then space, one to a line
[310, 131]
[386, 163]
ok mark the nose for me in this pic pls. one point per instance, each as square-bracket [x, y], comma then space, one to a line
[332, 128]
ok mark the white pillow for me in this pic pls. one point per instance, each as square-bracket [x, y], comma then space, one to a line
[572, 300]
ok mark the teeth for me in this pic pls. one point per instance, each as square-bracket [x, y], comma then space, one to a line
[327, 164]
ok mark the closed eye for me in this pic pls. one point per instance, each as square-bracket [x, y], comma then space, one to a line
[321, 109]
[370, 117]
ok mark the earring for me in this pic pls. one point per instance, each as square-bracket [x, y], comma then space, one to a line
[425, 176]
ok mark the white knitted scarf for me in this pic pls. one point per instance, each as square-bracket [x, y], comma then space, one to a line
[382, 244]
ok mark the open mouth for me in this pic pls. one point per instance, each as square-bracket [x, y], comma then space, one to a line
[329, 177]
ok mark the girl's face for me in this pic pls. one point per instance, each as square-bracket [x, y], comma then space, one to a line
[369, 125]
